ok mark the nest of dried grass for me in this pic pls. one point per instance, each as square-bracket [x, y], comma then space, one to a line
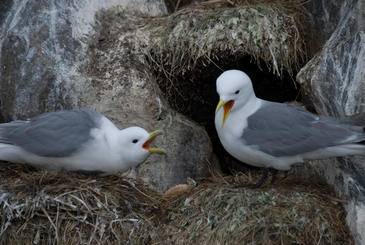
[268, 31]
[40, 207]
[223, 211]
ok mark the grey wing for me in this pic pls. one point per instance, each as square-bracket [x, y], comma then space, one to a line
[54, 134]
[285, 130]
[5, 128]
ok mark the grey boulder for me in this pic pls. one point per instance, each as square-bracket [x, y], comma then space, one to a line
[52, 56]
[334, 84]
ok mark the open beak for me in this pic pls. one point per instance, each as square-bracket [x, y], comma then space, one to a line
[227, 106]
[220, 105]
[148, 142]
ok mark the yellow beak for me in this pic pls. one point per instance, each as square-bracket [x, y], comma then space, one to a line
[220, 105]
[227, 106]
[150, 139]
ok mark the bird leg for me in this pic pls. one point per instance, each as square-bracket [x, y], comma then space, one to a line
[286, 174]
[265, 176]
[263, 179]
[274, 174]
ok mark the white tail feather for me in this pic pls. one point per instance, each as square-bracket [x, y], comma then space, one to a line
[336, 151]
[10, 153]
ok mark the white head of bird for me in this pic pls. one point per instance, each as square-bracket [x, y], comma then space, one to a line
[235, 91]
[135, 145]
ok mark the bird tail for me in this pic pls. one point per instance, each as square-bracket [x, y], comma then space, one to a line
[9, 153]
[339, 151]
[5, 128]
[352, 149]
[355, 120]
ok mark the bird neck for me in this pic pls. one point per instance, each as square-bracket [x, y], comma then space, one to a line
[237, 119]
[248, 106]
[110, 133]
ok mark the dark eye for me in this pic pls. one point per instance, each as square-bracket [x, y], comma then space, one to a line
[134, 141]
[237, 92]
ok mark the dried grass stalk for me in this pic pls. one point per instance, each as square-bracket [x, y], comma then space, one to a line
[39, 207]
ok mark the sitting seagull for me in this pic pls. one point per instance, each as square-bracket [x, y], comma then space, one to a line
[276, 135]
[76, 140]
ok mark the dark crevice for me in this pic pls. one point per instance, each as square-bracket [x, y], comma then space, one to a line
[194, 95]
[2, 118]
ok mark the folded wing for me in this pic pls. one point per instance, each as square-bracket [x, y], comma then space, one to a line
[55, 134]
[286, 130]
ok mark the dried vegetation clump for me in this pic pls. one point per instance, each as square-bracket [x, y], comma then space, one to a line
[268, 31]
[182, 54]
[172, 47]
[224, 212]
[42, 207]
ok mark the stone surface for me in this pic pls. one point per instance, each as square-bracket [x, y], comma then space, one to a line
[63, 54]
[42, 45]
[324, 17]
[122, 86]
[334, 83]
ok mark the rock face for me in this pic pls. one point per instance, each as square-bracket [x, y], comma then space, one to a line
[56, 55]
[42, 45]
[126, 91]
[324, 17]
[334, 82]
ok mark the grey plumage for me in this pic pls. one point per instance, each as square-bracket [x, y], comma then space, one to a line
[275, 135]
[54, 134]
[284, 130]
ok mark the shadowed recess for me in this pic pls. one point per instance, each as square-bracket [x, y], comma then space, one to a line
[194, 94]
[190, 48]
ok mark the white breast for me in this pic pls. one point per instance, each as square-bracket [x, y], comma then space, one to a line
[102, 152]
[230, 134]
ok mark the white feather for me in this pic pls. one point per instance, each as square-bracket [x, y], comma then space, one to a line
[245, 104]
[109, 150]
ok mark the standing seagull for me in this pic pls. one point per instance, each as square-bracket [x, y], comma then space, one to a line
[78, 140]
[276, 135]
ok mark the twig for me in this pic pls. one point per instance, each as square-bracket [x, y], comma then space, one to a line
[52, 223]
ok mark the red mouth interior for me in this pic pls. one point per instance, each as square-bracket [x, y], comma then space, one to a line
[228, 106]
[146, 145]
